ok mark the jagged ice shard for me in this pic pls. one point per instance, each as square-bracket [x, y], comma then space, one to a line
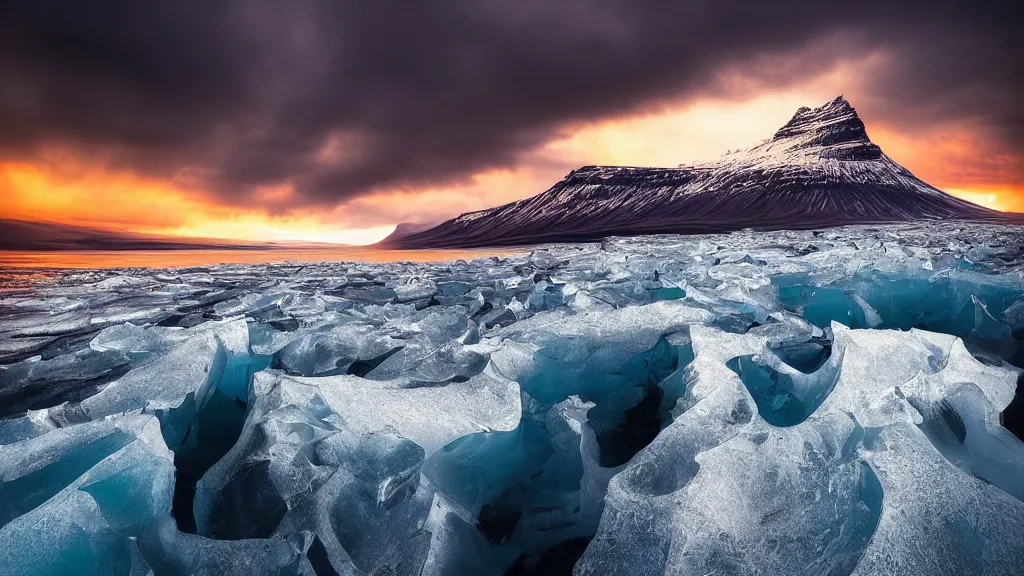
[840, 401]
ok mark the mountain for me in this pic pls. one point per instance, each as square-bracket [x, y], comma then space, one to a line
[23, 235]
[409, 228]
[818, 170]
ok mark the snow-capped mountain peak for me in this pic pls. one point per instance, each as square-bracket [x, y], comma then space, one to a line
[820, 169]
[833, 130]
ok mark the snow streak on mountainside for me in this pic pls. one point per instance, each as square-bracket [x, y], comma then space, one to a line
[820, 169]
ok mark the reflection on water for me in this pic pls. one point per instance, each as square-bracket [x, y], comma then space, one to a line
[176, 258]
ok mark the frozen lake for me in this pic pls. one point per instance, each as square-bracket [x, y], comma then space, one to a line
[819, 402]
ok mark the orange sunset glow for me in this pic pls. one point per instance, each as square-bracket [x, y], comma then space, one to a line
[97, 198]
[75, 192]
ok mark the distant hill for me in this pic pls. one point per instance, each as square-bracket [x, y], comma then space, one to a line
[22, 235]
[405, 229]
[818, 170]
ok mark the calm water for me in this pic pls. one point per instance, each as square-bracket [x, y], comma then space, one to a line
[174, 258]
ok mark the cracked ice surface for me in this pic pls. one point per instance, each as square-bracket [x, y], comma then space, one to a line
[828, 402]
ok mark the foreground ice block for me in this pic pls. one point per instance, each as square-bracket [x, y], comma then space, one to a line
[95, 498]
[340, 457]
[74, 496]
[859, 486]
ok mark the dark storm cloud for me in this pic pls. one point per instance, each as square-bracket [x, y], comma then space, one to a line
[342, 98]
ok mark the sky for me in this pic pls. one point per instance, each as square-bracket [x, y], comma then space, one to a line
[332, 120]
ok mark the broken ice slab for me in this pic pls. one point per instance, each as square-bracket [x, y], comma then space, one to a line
[670, 498]
[37, 383]
[803, 506]
[965, 303]
[34, 470]
[112, 514]
[334, 350]
[185, 376]
[77, 493]
[138, 342]
[311, 445]
[785, 395]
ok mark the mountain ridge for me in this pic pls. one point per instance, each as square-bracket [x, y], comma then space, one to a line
[820, 169]
[34, 236]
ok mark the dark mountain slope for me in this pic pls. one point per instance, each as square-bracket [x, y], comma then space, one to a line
[818, 170]
[22, 235]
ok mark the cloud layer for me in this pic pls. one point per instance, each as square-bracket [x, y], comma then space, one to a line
[318, 102]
